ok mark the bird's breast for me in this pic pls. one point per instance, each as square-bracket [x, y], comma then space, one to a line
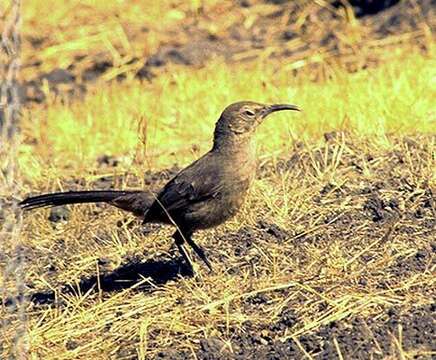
[222, 207]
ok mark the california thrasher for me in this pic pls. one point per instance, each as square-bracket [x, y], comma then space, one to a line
[203, 195]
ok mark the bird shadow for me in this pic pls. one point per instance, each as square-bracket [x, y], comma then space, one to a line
[158, 272]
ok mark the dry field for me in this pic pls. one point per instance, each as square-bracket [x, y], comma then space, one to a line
[333, 253]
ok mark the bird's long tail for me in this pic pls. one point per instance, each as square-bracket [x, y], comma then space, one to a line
[136, 202]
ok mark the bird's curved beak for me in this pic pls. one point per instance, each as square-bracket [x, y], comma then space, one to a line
[278, 107]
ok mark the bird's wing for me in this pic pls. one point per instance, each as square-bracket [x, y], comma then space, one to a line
[180, 192]
[196, 183]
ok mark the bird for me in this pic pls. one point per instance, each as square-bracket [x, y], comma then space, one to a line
[203, 195]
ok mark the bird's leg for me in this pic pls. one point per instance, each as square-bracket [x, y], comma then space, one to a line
[180, 240]
[198, 250]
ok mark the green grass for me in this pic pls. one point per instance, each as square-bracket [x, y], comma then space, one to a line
[161, 121]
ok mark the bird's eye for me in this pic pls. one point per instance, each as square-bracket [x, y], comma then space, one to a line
[249, 113]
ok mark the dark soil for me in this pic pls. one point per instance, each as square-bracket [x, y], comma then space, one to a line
[358, 338]
[192, 46]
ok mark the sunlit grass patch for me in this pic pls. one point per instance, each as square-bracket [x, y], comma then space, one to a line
[162, 121]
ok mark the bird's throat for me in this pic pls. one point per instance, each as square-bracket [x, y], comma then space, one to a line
[239, 145]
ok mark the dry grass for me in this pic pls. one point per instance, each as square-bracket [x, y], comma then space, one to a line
[115, 30]
[77, 34]
[332, 263]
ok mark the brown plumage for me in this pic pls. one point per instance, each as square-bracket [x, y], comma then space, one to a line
[205, 194]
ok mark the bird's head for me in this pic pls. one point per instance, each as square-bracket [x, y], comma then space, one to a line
[242, 118]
